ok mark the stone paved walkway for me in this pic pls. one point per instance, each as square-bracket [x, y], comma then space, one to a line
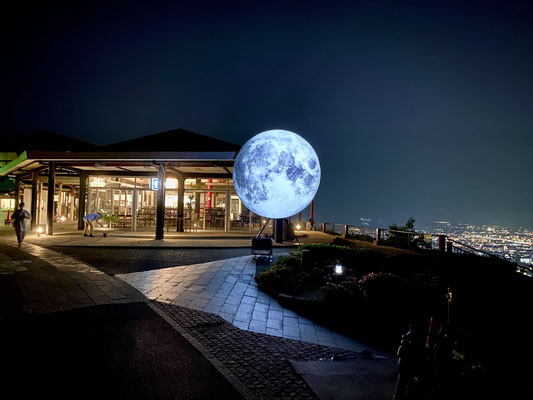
[38, 280]
[227, 288]
[47, 281]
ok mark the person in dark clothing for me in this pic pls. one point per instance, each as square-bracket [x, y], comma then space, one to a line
[19, 218]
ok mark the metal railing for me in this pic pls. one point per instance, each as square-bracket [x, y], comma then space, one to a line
[411, 240]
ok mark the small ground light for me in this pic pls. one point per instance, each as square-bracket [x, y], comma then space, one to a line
[62, 219]
[298, 227]
[39, 231]
[338, 269]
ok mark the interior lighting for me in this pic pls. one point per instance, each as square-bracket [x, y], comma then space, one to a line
[97, 182]
[171, 183]
[39, 231]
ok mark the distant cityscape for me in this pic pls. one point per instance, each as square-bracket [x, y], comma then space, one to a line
[512, 244]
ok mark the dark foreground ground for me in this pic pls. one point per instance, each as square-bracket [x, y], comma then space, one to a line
[114, 261]
[109, 351]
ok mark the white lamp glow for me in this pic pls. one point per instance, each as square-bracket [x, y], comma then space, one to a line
[338, 269]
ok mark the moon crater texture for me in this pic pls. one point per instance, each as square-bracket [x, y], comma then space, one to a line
[276, 174]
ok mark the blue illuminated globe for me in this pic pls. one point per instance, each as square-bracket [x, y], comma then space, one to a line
[276, 174]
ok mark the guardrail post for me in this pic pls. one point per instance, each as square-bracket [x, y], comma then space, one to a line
[324, 227]
[449, 247]
[378, 236]
[442, 243]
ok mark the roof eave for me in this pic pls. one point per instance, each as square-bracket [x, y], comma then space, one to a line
[18, 162]
[132, 156]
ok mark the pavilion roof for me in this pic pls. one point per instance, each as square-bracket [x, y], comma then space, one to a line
[183, 151]
[173, 140]
[43, 140]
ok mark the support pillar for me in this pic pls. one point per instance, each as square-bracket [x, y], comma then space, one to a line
[227, 213]
[134, 203]
[39, 203]
[197, 197]
[181, 203]
[59, 200]
[278, 230]
[81, 200]
[17, 193]
[71, 197]
[160, 214]
[50, 202]
[33, 210]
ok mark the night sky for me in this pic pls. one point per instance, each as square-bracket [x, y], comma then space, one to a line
[421, 109]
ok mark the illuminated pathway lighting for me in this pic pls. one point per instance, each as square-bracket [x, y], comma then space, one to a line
[338, 269]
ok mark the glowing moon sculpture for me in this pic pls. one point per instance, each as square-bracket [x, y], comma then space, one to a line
[276, 174]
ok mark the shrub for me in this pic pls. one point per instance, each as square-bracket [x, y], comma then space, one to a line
[387, 292]
[343, 289]
[327, 254]
[283, 277]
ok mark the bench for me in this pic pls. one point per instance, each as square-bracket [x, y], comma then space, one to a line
[262, 247]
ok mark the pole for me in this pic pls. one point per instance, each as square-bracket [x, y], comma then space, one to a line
[312, 214]
[442, 243]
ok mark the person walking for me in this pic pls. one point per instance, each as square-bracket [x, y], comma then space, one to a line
[90, 219]
[19, 218]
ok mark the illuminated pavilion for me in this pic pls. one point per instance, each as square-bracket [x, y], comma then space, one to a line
[125, 178]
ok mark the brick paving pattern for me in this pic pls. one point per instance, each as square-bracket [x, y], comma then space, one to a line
[258, 361]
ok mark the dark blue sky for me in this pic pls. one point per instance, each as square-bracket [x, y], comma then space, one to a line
[421, 109]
